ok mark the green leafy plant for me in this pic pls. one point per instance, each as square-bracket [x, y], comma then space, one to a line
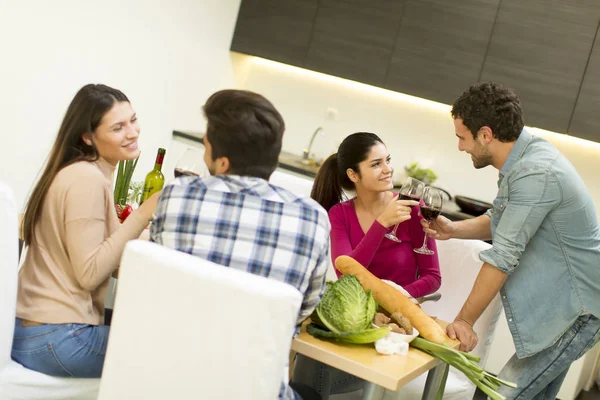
[346, 312]
[124, 174]
[467, 364]
[426, 175]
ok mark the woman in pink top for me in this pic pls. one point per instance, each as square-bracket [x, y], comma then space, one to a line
[358, 226]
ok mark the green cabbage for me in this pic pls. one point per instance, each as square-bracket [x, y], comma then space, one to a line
[347, 312]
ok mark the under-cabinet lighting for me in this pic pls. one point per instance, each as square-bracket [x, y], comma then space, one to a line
[560, 137]
[351, 84]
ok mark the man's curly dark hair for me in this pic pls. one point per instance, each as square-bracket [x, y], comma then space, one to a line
[490, 104]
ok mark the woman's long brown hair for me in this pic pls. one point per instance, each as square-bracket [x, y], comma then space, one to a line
[83, 116]
[332, 179]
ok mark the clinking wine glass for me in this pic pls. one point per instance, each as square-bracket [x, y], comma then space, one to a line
[430, 210]
[191, 163]
[412, 189]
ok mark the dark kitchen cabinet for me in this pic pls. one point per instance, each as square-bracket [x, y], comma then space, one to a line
[585, 122]
[354, 39]
[440, 48]
[540, 48]
[279, 30]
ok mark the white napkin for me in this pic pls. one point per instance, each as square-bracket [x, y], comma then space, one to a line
[390, 345]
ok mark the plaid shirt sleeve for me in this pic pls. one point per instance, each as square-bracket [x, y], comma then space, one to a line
[158, 224]
[316, 284]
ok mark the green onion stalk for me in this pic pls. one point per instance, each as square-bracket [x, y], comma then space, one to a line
[124, 174]
[467, 364]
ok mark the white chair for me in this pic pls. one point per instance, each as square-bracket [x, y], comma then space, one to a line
[16, 381]
[294, 183]
[459, 266]
[186, 328]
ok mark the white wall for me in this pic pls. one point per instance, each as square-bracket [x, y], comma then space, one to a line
[166, 56]
[413, 129]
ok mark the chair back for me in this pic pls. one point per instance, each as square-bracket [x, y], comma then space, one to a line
[9, 254]
[459, 266]
[184, 327]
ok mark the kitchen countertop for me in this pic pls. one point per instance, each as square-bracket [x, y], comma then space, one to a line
[294, 162]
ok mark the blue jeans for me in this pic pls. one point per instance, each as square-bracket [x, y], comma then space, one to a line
[540, 376]
[67, 350]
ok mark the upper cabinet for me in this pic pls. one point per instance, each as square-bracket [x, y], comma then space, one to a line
[354, 39]
[586, 118]
[540, 48]
[436, 49]
[275, 29]
[440, 48]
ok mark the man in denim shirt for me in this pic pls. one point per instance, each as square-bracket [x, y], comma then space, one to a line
[545, 259]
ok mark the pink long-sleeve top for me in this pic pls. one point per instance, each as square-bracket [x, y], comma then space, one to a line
[417, 273]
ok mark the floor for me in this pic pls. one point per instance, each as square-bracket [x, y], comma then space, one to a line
[592, 394]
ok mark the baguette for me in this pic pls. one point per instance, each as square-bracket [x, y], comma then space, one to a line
[393, 300]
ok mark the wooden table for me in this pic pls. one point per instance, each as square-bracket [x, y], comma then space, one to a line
[380, 371]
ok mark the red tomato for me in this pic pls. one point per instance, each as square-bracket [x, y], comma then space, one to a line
[126, 211]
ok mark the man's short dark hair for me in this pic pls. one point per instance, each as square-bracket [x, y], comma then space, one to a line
[490, 104]
[247, 129]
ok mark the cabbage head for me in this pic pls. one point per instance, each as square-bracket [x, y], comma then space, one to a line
[347, 311]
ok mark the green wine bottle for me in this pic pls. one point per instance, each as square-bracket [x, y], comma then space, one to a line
[155, 180]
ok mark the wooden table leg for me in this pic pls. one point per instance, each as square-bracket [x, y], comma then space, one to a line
[436, 380]
[373, 392]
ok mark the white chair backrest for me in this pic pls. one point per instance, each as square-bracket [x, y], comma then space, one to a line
[294, 183]
[184, 327]
[459, 266]
[9, 256]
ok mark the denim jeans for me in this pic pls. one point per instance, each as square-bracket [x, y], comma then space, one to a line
[540, 376]
[66, 350]
[324, 379]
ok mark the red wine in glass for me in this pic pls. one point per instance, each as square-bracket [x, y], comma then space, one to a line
[408, 197]
[410, 190]
[181, 172]
[430, 210]
[430, 213]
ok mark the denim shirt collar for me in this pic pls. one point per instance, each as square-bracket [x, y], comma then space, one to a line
[517, 152]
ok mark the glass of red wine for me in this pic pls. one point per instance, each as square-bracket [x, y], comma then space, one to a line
[412, 189]
[430, 210]
[191, 163]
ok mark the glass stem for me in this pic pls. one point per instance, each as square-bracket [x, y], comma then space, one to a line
[394, 230]
[424, 240]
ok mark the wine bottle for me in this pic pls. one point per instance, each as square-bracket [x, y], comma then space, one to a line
[155, 180]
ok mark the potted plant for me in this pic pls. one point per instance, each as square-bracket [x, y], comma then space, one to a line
[425, 175]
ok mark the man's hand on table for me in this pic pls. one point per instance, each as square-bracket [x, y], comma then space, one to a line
[464, 332]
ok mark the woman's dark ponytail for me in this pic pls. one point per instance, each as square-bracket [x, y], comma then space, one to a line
[327, 189]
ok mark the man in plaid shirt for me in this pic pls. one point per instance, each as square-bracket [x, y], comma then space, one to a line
[235, 217]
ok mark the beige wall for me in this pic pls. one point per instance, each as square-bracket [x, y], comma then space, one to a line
[167, 56]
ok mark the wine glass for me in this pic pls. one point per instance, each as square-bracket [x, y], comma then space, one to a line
[433, 201]
[191, 163]
[412, 189]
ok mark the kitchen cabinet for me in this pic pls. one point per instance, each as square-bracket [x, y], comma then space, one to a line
[279, 30]
[540, 48]
[586, 117]
[440, 50]
[354, 39]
